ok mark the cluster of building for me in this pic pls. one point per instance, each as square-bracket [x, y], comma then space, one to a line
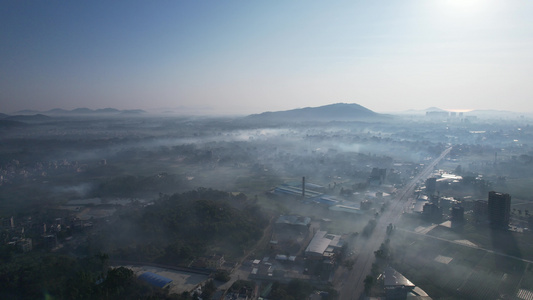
[28, 234]
[496, 210]
[16, 171]
[316, 194]
[14, 235]
[210, 262]
[298, 250]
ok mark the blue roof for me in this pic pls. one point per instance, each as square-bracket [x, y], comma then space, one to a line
[155, 280]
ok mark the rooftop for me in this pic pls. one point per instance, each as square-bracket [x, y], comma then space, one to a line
[394, 279]
[155, 280]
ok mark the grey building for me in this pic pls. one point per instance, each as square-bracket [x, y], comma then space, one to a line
[499, 209]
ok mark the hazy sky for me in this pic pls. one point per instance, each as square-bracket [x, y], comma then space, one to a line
[251, 56]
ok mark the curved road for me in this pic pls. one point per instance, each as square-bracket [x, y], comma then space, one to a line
[352, 285]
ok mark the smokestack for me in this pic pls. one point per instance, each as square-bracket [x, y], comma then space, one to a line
[303, 187]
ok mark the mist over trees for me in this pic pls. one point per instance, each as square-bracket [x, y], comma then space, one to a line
[163, 190]
[180, 227]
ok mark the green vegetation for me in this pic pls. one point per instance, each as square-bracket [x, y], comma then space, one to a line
[53, 276]
[239, 285]
[298, 290]
[369, 283]
[222, 275]
[369, 227]
[179, 227]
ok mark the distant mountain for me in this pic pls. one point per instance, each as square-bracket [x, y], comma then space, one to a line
[57, 111]
[107, 111]
[133, 111]
[433, 109]
[29, 118]
[82, 111]
[27, 112]
[327, 113]
[419, 112]
[3, 116]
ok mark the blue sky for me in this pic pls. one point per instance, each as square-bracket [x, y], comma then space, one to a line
[220, 57]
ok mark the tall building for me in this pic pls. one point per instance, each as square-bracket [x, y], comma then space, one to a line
[458, 213]
[377, 176]
[432, 212]
[481, 210]
[431, 185]
[499, 209]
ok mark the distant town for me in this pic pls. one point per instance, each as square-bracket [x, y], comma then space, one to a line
[332, 202]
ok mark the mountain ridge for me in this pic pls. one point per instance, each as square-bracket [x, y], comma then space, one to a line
[81, 111]
[325, 113]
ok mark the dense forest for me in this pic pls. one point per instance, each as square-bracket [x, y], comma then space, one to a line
[177, 228]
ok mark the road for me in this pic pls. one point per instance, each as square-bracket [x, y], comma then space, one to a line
[352, 285]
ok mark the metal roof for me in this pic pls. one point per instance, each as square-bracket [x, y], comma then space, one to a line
[394, 278]
[318, 244]
[294, 220]
[155, 280]
[289, 190]
[346, 208]
[524, 294]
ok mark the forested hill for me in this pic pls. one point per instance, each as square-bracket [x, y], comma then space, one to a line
[180, 227]
[332, 112]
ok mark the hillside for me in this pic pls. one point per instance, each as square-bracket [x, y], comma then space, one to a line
[327, 113]
[29, 118]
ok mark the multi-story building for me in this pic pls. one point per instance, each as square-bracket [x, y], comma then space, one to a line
[481, 211]
[499, 209]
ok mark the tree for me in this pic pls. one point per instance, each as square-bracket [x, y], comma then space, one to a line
[222, 275]
[117, 279]
[208, 289]
[369, 282]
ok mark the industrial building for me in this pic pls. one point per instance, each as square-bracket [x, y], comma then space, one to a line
[309, 192]
[155, 280]
[292, 223]
[322, 244]
[397, 286]
[346, 208]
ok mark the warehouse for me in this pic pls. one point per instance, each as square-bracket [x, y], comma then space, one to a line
[155, 280]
